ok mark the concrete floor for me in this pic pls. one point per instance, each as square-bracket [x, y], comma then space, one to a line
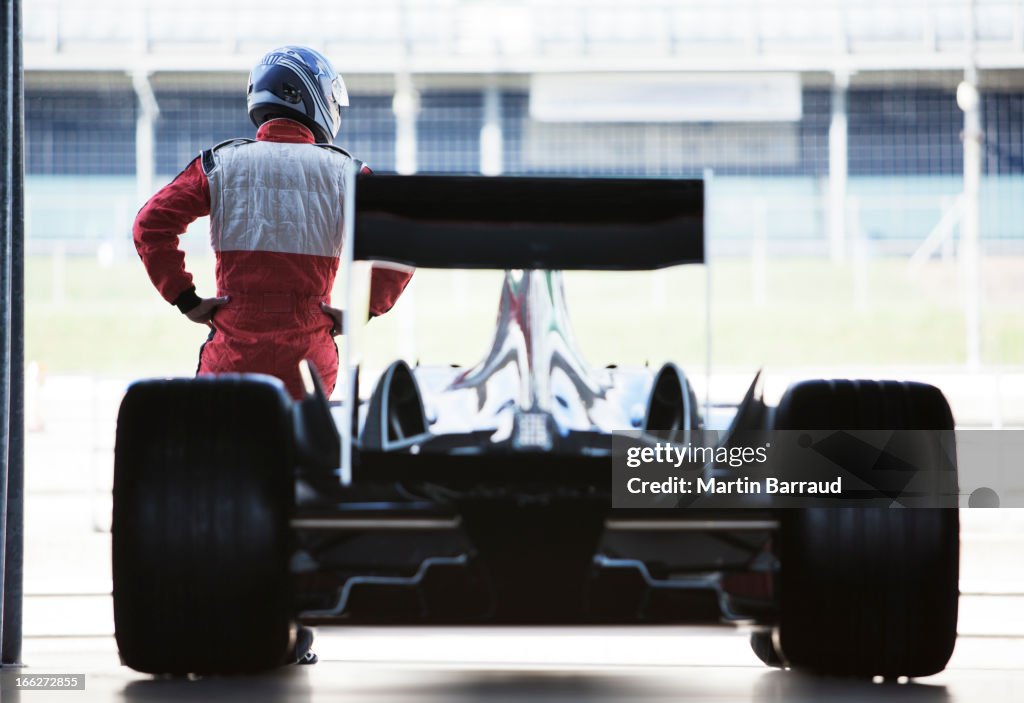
[526, 664]
[69, 626]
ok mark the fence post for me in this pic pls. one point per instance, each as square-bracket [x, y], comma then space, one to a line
[838, 167]
[970, 103]
[759, 253]
[491, 140]
[860, 254]
[406, 106]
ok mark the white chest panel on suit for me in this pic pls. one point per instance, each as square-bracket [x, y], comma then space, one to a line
[274, 196]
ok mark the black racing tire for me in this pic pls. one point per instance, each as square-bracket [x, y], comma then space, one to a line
[395, 411]
[763, 647]
[672, 404]
[867, 591]
[203, 492]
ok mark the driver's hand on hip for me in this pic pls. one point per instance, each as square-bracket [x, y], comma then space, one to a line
[337, 317]
[203, 313]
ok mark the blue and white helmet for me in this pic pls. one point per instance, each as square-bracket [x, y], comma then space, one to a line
[301, 84]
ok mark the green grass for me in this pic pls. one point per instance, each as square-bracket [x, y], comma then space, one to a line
[84, 317]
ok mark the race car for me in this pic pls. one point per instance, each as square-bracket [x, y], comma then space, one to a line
[484, 495]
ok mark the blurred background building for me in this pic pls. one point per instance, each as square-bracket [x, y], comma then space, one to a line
[878, 138]
[829, 131]
[836, 119]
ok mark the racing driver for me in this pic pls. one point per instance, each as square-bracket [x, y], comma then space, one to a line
[275, 207]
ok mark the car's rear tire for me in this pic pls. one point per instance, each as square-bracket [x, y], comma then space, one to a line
[203, 492]
[867, 591]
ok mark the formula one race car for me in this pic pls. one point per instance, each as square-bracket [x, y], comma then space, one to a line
[484, 495]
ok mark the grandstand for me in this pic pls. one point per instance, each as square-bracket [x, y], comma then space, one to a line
[116, 89]
[827, 129]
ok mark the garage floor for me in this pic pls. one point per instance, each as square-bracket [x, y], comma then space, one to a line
[532, 664]
[69, 626]
[70, 632]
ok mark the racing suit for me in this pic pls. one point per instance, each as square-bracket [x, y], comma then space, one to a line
[275, 206]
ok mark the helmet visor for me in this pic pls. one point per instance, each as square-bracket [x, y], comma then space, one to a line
[339, 91]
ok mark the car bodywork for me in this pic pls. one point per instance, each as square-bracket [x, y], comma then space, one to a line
[483, 494]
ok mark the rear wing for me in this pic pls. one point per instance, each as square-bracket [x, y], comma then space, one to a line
[475, 222]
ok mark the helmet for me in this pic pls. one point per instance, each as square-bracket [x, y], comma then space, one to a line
[298, 83]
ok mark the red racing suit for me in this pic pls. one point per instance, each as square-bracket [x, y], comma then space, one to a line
[275, 206]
